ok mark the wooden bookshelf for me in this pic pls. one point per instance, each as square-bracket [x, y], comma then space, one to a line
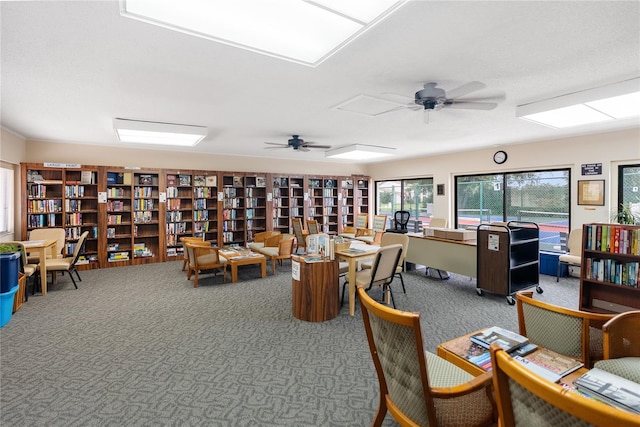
[281, 211]
[44, 202]
[118, 218]
[178, 211]
[81, 213]
[298, 187]
[362, 195]
[146, 217]
[205, 206]
[331, 206]
[347, 207]
[255, 205]
[233, 209]
[610, 267]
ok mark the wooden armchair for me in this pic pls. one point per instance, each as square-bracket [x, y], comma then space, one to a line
[312, 226]
[277, 248]
[361, 223]
[189, 246]
[374, 234]
[570, 332]
[259, 239]
[207, 258]
[526, 399]
[299, 233]
[185, 254]
[621, 337]
[418, 387]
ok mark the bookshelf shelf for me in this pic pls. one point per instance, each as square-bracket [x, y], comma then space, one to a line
[610, 268]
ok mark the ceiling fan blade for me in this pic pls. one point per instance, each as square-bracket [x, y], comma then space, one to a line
[465, 89]
[279, 144]
[472, 105]
[317, 146]
[276, 148]
[500, 97]
[302, 148]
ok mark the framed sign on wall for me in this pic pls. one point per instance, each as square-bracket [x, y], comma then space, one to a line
[591, 192]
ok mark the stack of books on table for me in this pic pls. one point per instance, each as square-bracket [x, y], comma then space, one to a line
[549, 364]
[609, 388]
[508, 340]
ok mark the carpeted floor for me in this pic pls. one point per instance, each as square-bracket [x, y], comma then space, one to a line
[139, 346]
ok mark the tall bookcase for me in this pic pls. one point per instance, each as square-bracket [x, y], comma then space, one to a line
[281, 214]
[346, 196]
[610, 268]
[362, 188]
[146, 216]
[233, 209]
[179, 210]
[205, 206]
[118, 217]
[297, 197]
[81, 213]
[330, 210]
[256, 205]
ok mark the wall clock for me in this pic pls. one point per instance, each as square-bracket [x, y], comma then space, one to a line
[500, 157]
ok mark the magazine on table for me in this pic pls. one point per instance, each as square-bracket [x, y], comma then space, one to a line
[557, 363]
[610, 388]
[506, 339]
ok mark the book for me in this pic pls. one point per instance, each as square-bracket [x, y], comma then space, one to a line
[554, 362]
[506, 339]
[537, 369]
[470, 351]
[211, 181]
[610, 388]
[525, 349]
[86, 177]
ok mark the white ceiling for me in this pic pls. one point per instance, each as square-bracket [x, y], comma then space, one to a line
[70, 67]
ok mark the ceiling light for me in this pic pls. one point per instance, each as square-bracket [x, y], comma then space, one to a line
[359, 152]
[139, 132]
[306, 32]
[613, 102]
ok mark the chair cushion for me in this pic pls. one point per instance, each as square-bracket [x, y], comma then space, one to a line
[348, 235]
[58, 264]
[626, 367]
[368, 239]
[256, 246]
[571, 259]
[270, 251]
[208, 259]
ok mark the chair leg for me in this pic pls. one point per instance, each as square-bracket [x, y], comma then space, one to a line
[401, 281]
[195, 279]
[184, 265]
[73, 280]
[558, 272]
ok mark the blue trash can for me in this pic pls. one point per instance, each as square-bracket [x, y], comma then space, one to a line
[6, 305]
[9, 266]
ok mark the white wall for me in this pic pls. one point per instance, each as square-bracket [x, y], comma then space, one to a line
[610, 149]
[12, 153]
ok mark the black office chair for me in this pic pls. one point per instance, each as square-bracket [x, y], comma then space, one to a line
[400, 221]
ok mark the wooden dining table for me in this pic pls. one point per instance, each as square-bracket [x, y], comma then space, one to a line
[40, 246]
[352, 255]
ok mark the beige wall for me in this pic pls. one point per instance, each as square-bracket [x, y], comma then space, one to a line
[39, 152]
[12, 153]
[610, 149]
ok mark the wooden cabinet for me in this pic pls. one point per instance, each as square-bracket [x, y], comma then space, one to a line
[323, 203]
[315, 290]
[507, 258]
[610, 268]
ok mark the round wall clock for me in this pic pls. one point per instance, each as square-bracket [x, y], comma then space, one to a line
[500, 157]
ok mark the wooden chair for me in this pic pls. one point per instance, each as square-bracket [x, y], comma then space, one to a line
[574, 256]
[207, 258]
[621, 336]
[419, 388]
[259, 239]
[68, 264]
[277, 248]
[185, 254]
[570, 332]
[381, 273]
[361, 223]
[394, 239]
[374, 234]
[526, 399]
[312, 226]
[299, 233]
[189, 246]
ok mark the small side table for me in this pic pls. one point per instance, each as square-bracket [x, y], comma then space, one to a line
[315, 289]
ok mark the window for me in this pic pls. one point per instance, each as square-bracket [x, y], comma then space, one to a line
[542, 197]
[629, 188]
[413, 195]
[6, 199]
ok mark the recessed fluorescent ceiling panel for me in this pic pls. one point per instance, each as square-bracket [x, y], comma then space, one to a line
[359, 152]
[306, 32]
[139, 132]
[618, 101]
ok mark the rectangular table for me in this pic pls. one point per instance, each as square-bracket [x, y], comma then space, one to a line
[352, 258]
[451, 350]
[456, 256]
[40, 246]
[236, 259]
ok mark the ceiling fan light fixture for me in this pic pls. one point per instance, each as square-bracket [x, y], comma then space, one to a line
[156, 133]
[359, 152]
[618, 101]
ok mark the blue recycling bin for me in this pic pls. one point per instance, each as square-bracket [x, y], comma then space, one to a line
[9, 266]
[6, 305]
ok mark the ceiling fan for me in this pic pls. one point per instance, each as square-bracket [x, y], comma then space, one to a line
[435, 98]
[297, 144]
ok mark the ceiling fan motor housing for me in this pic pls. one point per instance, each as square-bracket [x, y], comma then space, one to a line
[430, 97]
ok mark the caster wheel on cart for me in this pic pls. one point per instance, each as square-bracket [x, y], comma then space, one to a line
[510, 300]
[479, 292]
[539, 289]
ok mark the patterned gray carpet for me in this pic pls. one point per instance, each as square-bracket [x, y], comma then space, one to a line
[139, 346]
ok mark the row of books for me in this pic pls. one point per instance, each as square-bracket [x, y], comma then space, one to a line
[612, 238]
[143, 204]
[142, 192]
[116, 192]
[116, 206]
[179, 180]
[200, 204]
[205, 192]
[37, 190]
[73, 219]
[72, 205]
[172, 204]
[254, 192]
[255, 202]
[118, 256]
[142, 216]
[613, 271]
[176, 228]
[73, 233]
[174, 216]
[74, 190]
[233, 203]
[200, 215]
[45, 206]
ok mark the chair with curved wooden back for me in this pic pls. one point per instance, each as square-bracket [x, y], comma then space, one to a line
[207, 258]
[185, 254]
[527, 399]
[361, 223]
[374, 234]
[278, 248]
[417, 387]
[574, 256]
[621, 336]
[189, 246]
[312, 226]
[563, 330]
[299, 233]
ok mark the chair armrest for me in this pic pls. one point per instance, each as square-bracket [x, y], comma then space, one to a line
[364, 232]
[272, 241]
[349, 229]
[477, 383]
[285, 246]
